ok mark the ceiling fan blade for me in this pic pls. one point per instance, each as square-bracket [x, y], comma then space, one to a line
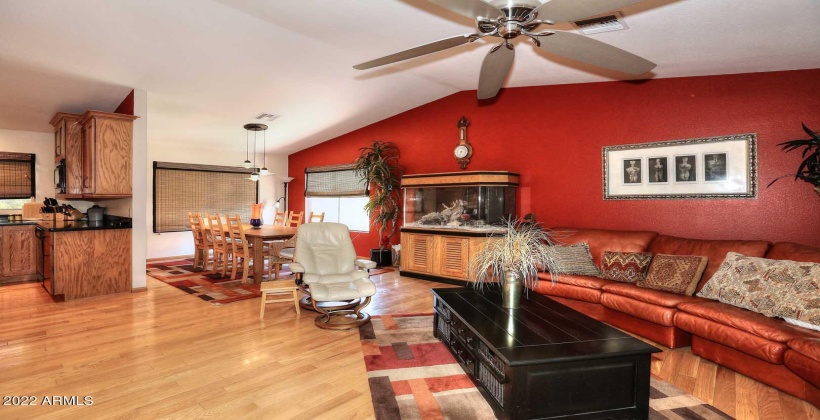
[494, 70]
[470, 8]
[597, 53]
[557, 11]
[418, 51]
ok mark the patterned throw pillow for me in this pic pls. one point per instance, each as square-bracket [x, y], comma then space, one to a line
[574, 259]
[674, 273]
[782, 288]
[627, 267]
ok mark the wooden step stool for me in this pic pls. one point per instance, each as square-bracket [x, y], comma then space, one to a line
[279, 287]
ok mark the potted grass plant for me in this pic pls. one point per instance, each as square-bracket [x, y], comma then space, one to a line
[809, 169]
[378, 166]
[514, 259]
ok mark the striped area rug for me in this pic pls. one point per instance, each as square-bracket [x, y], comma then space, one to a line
[412, 375]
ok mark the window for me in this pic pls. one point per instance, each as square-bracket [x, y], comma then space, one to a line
[183, 187]
[16, 180]
[347, 210]
[339, 193]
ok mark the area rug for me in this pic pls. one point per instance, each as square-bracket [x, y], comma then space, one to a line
[412, 375]
[380, 271]
[213, 288]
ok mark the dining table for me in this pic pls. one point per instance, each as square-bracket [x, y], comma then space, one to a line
[256, 236]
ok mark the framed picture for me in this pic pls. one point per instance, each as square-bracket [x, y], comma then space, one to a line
[658, 170]
[711, 167]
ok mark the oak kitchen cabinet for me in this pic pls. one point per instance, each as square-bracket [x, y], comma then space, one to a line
[107, 140]
[68, 151]
[20, 248]
[441, 254]
[85, 263]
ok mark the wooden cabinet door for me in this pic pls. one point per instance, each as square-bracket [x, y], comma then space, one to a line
[453, 257]
[88, 156]
[59, 141]
[418, 254]
[19, 251]
[73, 153]
[113, 163]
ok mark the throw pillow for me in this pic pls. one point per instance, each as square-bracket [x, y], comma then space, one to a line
[674, 273]
[775, 288]
[574, 259]
[627, 267]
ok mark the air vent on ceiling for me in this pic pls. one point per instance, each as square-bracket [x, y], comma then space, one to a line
[611, 22]
[266, 116]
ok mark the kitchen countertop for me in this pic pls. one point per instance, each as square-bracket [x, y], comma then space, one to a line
[72, 225]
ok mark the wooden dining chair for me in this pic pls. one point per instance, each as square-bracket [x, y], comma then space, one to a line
[279, 218]
[295, 219]
[223, 245]
[271, 252]
[241, 248]
[316, 217]
[202, 243]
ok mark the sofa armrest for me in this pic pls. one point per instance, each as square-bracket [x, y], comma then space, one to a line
[365, 264]
[297, 268]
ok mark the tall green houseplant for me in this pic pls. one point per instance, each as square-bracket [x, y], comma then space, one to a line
[809, 169]
[378, 165]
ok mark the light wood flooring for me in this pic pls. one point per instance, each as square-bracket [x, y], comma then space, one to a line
[165, 354]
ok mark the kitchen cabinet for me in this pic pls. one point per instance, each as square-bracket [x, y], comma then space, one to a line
[441, 254]
[107, 166]
[90, 263]
[20, 250]
[68, 151]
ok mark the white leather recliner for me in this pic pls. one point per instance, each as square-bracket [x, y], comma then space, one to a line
[325, 259]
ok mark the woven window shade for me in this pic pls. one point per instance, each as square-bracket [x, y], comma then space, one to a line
[16, 175]
[181, 187]
[333, 181]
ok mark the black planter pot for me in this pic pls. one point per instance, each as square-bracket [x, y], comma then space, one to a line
[381, 257]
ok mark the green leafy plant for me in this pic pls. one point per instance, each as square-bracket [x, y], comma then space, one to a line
[809, 169]
[378, 165]
[522, 248]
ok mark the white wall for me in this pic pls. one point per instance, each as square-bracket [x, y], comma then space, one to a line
[42, 145]
[181, 243]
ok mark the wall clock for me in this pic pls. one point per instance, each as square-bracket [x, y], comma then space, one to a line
[464, 150]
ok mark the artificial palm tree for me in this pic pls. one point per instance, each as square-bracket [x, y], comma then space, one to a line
[809, 169]
[378, 165]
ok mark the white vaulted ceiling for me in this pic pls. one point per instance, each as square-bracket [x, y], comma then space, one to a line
[210, 65]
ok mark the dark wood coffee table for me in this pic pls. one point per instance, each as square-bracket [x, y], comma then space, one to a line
[543, 360]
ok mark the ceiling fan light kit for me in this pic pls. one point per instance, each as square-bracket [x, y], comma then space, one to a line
[507, 19]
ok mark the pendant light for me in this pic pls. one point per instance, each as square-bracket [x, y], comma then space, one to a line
[264, 170]
[255, 128]
[247, 163]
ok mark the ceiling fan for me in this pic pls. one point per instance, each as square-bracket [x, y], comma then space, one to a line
[508, 19]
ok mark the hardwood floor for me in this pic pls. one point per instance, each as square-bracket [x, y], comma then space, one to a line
[165, 354]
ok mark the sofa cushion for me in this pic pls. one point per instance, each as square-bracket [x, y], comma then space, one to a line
[601, 240]
[568, 291]
[655, 297]
[674, 273]
[771, 329]
[740, 340]
[771, 287]
[715, 251]
[573, 259]
[627, 267]
[794, 252]
[807, 346]
[803, 366]
[576, 280]
[660, 315]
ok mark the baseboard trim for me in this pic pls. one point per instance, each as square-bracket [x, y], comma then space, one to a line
[139, 289]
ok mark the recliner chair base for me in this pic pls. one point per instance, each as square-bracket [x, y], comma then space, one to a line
[342, 319]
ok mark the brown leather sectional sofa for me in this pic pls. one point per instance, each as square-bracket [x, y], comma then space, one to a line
[766, 349]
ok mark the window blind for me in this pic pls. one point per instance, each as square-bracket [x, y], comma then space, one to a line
[17, 175]
[183, 187]
[333, 181]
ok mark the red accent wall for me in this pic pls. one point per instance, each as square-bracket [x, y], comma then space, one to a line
[552, 136]
[127, 105]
